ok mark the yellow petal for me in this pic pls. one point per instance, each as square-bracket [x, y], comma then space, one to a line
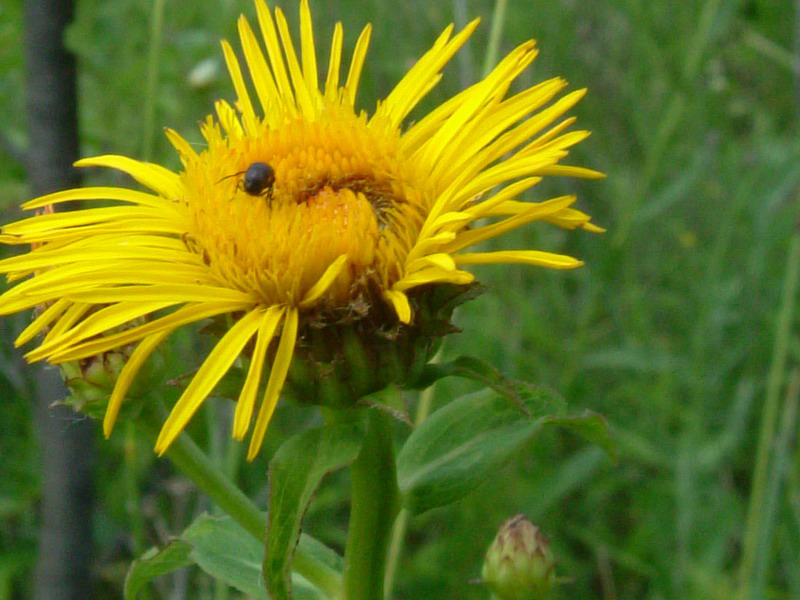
[99, 193]
[274, 51]
[185, 150]
[277, 376]
[243, 98]
[433, 275]
[126, 377]
[307, 47]
[229, 120]
[208, 375]
[247, 398]
[53, 312]
[302, 94]
[569, 171]
[400, 303]
[534, 212]
[416, 83]
[441, 260]
[72, 315]
[328, 277]
[430, 245]
[79, 218]
[64, 339]
[334, 64]
[151, 175]
[523, 257]
[266, 90]
[167, 292]
[122, 313]
[357, 63]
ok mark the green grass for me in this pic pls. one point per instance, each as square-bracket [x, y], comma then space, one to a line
[672, 330]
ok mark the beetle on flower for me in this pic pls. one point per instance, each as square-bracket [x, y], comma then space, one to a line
[365, 217]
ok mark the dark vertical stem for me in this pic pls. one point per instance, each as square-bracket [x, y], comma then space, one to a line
[52, 104]
[65, 541]
[65, 535]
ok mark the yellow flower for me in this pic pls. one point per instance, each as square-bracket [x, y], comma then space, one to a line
[292, 213]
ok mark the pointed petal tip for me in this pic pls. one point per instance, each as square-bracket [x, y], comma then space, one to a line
[252, 452]
[162, 444]
[108, 426]
[591, 227]
[401, 305]
[472, 25]
[592, 174]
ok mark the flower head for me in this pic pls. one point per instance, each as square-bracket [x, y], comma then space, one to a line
[300, 215]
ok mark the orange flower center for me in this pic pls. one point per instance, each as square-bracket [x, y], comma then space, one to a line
[324, 189]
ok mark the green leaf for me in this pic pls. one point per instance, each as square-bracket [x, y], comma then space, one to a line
[303, 589]
[155, 562]
[468, 367]
[311, 548]
[469, 439]
[224, 550]
[294, 474]
[591, 427]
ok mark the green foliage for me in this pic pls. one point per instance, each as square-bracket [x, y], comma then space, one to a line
[156, 562]
[295, 472]
[226, 552]
[467, 441]
[668, 331]
[222, 549]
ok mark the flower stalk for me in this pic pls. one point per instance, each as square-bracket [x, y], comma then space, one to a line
[193, 463]
[374, 506]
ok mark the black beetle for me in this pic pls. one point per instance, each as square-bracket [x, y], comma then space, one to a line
[258, 179]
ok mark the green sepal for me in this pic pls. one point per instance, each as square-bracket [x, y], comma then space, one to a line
[346, 354]
[462, 444]
[294, 474]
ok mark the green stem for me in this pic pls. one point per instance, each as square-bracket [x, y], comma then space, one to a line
[495, 33]
[325, 578]
[401, 524]
[193, 463]
[754, 526]
[151, 80]
[375, 503]
[132, 497]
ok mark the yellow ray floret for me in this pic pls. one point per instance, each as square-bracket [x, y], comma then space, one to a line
[300, 212]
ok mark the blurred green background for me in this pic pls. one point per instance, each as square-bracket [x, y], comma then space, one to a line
[679, 329]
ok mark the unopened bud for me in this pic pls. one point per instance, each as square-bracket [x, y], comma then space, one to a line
[519, 564]
[91, 380]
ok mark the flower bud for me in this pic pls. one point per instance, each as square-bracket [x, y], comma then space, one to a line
[91, 380]
[519, 564]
